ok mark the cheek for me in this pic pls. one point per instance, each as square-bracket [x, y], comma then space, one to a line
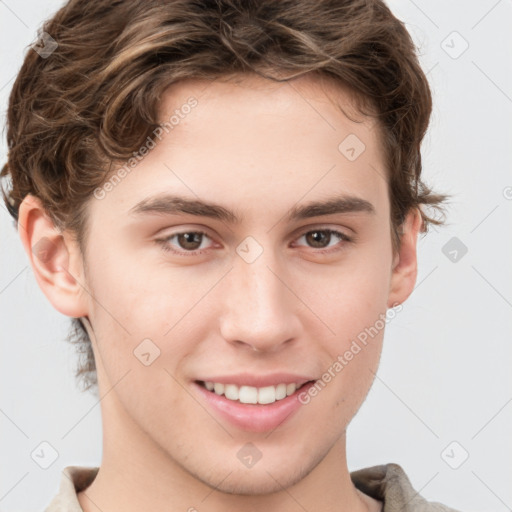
[143, 333]
[353, 303]
[146, 309]
[142, 298]
[353, 297]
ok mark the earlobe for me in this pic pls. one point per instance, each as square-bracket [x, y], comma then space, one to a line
[54, 257]
[405, 264]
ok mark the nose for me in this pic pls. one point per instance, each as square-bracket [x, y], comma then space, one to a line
[259, 311]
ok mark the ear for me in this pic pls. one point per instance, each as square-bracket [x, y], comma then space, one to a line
[405, 264]
[55, 258]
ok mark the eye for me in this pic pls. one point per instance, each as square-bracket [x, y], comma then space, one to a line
[322, 238]
[191, 243]
[187, 242]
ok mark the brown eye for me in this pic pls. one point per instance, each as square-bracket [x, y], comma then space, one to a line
[318, 238]
[189, 241]
[185, 243]
[324, 239]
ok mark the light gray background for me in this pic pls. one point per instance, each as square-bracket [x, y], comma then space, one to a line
[445, 370]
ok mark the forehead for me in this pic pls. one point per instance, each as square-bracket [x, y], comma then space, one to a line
[254, 144]
[316, 97]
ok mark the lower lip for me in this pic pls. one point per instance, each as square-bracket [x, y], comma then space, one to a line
[254, 417]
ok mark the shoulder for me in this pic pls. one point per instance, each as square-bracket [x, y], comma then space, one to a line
[389, 483]
[73, 480]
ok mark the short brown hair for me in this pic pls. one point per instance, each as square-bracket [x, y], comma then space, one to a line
[94, 100]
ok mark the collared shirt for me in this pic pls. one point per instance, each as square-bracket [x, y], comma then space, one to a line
[387, 483]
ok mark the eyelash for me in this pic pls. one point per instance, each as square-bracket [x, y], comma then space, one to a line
[164, 242]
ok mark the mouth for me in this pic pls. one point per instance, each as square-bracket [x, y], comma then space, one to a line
[251, 394]
[250, 408]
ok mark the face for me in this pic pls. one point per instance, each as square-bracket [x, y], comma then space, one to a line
[242, 282]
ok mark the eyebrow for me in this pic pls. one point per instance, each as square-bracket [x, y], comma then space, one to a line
[172, 204]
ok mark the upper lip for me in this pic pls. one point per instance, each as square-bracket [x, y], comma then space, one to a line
[259, 381]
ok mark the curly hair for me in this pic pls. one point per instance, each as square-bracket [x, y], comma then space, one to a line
[90, 103]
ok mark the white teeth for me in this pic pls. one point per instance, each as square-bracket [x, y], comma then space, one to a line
[267, 395]
[231, 391]
[290, 389]
[248, 395]
[280, 391]
[251, 394]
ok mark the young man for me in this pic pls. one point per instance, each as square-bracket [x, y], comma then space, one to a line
[225, 196]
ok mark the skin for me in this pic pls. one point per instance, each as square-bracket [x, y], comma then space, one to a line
[257, 148]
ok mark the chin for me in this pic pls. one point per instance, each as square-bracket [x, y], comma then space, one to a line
[259, 480]
[249, 483]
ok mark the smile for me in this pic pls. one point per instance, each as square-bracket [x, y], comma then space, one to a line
[251, 394]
